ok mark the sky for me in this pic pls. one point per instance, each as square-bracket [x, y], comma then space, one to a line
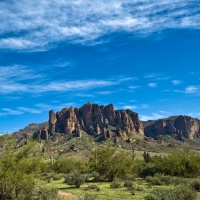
[142, 55]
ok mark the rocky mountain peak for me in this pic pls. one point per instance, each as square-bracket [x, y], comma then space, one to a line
[93, 119]
[179, 126]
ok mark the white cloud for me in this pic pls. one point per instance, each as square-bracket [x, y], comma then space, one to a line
[17, 72]
[152, 75]
[8, 111]
[29, 110]
[176, 82]
[151, 117]
[129, 107]
[39, 24]
[192, 89]
[164, 112]
[143, 106]
[134, 87]
[13, 79]
[152, 84]
[133, 100]
[105, 92]
[78, 85]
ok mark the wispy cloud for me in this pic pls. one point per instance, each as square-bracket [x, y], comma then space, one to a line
[152, 84]
[192, 89]
[78, 85]
[105, 92]
[22, 79]
[40, 24]
[134, 87]
[151, 117]
[143, 106]
[17, 72]
[8, 111]
[129, 107]
[176, 82]
[164, 112]
[29, 110]
[158, 77]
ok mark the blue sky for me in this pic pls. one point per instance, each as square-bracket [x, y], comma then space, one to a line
[138, 54]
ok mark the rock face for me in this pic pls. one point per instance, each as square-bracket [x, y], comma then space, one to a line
[179, 127]
[94, 119]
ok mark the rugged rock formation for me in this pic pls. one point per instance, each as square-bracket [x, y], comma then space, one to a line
[94, 119]
[179, 127]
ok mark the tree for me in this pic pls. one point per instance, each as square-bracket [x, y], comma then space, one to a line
[147, 157]
[16, 171]
[75, 178]
[110, 164]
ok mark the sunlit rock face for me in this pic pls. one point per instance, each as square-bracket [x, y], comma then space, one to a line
[94, 119]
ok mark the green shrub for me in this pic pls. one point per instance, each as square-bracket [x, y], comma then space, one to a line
[93, 187]
[160, 179]
[76, 179]
[128, 184]
[57, 177]
[183, 192]
[89, 197]
[129, 177]
[180, 192]
[47, 193]
[115, 184]
[195, 185]
[148, 170]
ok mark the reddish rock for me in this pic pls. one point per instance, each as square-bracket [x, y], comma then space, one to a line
[94, 119]
[86, 114]
[179, 127]
[131, 140]
[52, 122]
[117, 140]
[44, 133]
[110, 114]
[104, 133]
[70, 122]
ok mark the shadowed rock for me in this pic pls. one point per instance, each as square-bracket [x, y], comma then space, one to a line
[179, 127]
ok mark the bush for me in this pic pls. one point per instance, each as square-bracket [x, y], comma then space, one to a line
[89, 197]
[195, 185]
[160, 179]
[75, 178]
[57, 177]
[129, 177]
[115, 184]
[128, 184]
[181, 192]
[93, 187]
[47, 193]
[148, 179]
[148, 170]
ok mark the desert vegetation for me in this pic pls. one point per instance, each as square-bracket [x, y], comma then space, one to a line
[109, 173]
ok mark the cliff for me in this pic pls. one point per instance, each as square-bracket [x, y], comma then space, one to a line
[93, 119]
[179, 127]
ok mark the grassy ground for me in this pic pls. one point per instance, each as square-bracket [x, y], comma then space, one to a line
[142, 189]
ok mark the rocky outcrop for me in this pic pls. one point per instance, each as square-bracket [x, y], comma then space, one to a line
[179, 127]
[94, 119]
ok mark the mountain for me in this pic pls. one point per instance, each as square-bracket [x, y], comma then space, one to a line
[24, 134]
[93, 120]
[179, 127]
